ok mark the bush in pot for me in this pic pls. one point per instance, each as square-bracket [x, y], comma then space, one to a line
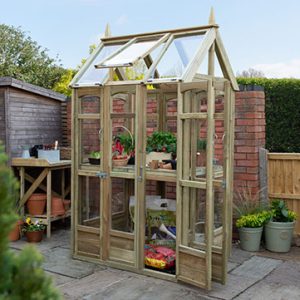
[279, 230]
[250, 229]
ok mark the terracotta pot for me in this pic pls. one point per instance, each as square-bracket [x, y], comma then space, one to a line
[14, 235]
[67, 204]
[34, 236]
[36, 204]
[57, 207]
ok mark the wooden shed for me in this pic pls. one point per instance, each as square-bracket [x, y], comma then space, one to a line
[167, 218]
[29, 115]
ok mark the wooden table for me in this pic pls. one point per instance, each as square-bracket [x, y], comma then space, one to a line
[24, 164]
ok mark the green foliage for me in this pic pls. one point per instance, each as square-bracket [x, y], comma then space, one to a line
[281, 213]
[282, 112]
[253, 220]
[21, 276]
[23, 59]
[127, 142]
[96, 154]
[247, 202]
[62, 86]
[162, 142]
[30, 226]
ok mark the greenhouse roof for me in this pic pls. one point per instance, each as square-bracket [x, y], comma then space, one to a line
[154, 57]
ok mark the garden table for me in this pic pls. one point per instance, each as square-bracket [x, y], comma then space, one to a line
[46, 168]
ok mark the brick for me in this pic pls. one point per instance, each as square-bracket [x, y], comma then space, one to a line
[247, 163]
[240, 156]
[252, 170]
[247, 177]
[256, 128]
[247, 149]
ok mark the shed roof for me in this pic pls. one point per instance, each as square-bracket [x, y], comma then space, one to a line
[9, 81]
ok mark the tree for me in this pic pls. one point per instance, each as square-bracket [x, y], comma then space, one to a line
[21, 276]
[23, 59]
[251, 73]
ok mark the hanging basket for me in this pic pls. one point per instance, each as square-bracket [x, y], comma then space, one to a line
[123, 161]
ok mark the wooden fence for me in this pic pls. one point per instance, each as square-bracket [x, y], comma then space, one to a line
[284, 180]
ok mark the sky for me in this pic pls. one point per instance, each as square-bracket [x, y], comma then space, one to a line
[259, 34]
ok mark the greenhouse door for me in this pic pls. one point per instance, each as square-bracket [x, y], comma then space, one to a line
[203, 182]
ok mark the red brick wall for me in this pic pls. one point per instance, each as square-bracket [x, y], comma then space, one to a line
[249, 134]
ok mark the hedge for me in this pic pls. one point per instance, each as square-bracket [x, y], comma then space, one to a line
[282, 112]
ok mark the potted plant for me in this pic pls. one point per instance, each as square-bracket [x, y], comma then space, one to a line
[279, 230]
[161, 146]
[33, 230]
[128, 143]
[250, 229]
[94, 158]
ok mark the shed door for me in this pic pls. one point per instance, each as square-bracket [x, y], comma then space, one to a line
[202, 202]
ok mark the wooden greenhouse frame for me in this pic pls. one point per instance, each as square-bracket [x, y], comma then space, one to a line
[203, 102]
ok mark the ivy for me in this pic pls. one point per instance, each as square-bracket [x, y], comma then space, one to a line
[282, 112]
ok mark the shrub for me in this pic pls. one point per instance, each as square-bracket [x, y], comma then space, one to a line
[280, 212]
[253, 220]
[282, 112]
[21, 276]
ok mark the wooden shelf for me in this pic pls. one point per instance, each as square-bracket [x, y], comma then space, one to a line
[43, 218]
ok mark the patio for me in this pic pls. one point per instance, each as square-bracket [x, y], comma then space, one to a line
[261, 275]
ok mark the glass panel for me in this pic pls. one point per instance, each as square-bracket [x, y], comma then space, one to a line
[160, 227]
[90, 142]
[92, 75]
[90, 104]
[89, 201]
[177, 57]
[130, 54]
[218, 216]
[122, 191]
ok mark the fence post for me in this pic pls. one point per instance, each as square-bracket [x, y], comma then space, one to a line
[263, 175]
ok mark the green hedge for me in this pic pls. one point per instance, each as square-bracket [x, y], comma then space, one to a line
[282, 112]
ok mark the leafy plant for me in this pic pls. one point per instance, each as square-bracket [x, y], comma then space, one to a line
[30, 226]
[21, 275]
[161, 141]
[253, 220]
[281, 213]
[247, 202]
[127, 142]
[95, 154]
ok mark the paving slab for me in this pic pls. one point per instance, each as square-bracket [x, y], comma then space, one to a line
[145, 288]
[59, 260]
[238, 255]
[235, 285]
[271, 291]
[92, 284]
[288, 273]
[59, 238]
[59, 279]
[256, 267]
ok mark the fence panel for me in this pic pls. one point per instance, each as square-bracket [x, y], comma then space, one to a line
[284, 180]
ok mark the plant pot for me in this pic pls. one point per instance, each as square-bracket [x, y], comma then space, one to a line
[57, 207]
[250, 238]
[14, 235]
[34, 236]
[36, 204]
[67, 204]
[94, 161]
[279, 236]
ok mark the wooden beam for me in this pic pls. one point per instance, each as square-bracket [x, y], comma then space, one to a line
[34, 186]
[224, 62]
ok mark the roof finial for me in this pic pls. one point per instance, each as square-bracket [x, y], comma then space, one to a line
[107, 31]
[211, 20]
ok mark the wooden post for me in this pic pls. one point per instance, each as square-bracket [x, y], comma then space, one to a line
[263, 175]
[209, 222]
[49, 183]
[140, 133]
[22, 188]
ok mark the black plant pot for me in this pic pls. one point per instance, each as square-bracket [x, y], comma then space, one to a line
[131, 160]
[94, 161]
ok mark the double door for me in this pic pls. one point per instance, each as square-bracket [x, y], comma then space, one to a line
[110, 211]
